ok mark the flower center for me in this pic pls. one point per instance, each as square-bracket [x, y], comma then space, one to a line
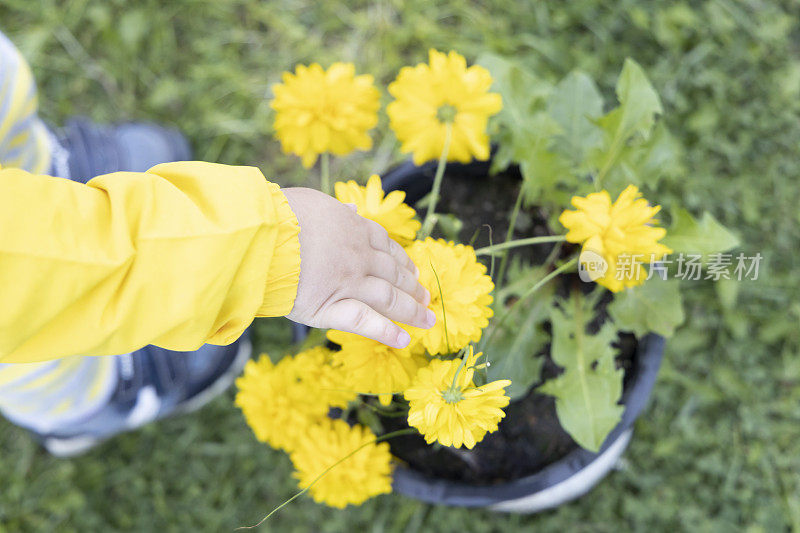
[446, 113]
[452, 395]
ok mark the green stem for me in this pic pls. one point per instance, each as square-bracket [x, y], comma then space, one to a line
[430, 220]
[538, 285]
[598, 179]
[512, 222]
[384, 412]
[566, 266]
[444, 311]
[325, 173]
[408, 431]
[519, 242]
[464, 356]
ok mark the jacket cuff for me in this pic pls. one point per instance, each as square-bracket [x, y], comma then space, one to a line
[283, 273]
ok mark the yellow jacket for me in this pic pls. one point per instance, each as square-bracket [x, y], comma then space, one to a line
[181, 255]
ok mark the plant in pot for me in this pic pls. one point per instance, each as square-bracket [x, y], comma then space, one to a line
[547, 341]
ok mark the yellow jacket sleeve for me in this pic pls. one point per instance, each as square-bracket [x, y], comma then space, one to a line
[181, 255]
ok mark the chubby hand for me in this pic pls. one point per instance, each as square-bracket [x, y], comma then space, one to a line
[353, 277]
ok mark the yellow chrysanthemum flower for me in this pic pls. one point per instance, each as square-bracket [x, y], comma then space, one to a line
[432, 95]
[455, 414]
[390, 212]
[280, 401]
[319, 111]
[365, 474]
[623, 234]
[372, 367]
[317, 369]
[465, 289]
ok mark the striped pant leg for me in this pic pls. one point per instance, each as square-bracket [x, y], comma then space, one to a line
[41, 396]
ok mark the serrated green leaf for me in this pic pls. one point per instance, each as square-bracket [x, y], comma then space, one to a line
[588, 392]
[573, 103]
[639, 102]
[638, 105]
[655, 306]
[542, 169]
[708, 236]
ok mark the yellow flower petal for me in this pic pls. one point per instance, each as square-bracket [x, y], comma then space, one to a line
[372, 367]
[390, 212]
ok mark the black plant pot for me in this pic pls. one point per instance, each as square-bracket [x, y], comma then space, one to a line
[565, 479]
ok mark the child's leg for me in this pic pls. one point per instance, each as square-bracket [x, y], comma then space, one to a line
[40, 396]
[24, 139]
[75, 403]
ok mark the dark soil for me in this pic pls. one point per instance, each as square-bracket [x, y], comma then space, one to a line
[530, 436]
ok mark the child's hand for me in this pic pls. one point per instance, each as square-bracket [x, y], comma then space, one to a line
[353, 277]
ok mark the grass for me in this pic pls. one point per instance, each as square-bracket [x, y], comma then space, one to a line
[718, 448]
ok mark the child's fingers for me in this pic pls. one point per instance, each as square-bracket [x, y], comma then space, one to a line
[357, 317]
[380, 240]
[393, 303]
[384, 266]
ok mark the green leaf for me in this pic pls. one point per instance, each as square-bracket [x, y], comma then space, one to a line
[638, 105]
[514, 349]
[573, 103]
[588, 392]
[728, 292]
[688, 236]
[655, 306]
[521, 90]
[133, 25]
[539, 131]
[542, 169]
[523, 95]
[450, 225]
[647, 162]
[639, 102]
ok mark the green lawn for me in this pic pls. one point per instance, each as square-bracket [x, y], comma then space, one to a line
[719, 447]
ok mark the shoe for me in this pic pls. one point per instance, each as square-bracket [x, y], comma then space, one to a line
[87, 149]
[153, 384]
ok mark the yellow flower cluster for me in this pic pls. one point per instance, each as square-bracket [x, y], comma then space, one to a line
[318, 110]
[287, 406]
[278, 400]
[441, 106]
[449, 408]
[390, 212]
[371, 367]
[623, 230]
